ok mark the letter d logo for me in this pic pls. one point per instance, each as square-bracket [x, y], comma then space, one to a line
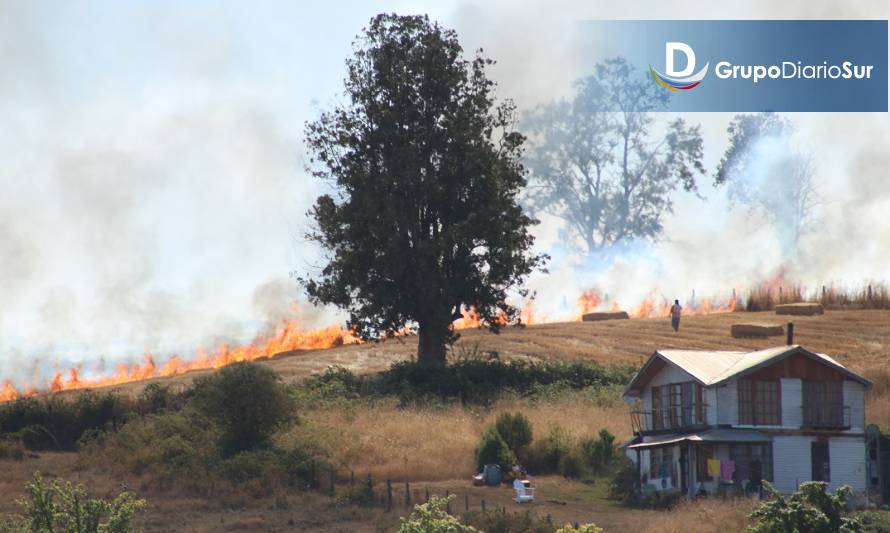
[682, 80]
[669, 49]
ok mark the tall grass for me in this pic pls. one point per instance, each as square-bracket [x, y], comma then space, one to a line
[872, 295]
[705, 515]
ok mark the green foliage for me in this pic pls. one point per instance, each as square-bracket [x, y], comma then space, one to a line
[56, 423]
[501, 522]
[874, 521]
[811, 509]
[623, 484]
[58, 506]
[546, 454]
[494, 450]
[425, 220]
[599, 163]
[248, 401]
[515, 429]
[583, 528]
[431, 517]
[598, 455]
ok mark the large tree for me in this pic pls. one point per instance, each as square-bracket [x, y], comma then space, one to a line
[424, 166]
[764, 170]
[598, 163]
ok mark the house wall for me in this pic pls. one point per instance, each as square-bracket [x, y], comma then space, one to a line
[792, 399]
[727, 404]
[668, 374]
[792, 461]
[854, 396]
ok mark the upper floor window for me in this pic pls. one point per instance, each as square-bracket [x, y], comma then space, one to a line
[823, 404]
[677, 405]
[759, 402]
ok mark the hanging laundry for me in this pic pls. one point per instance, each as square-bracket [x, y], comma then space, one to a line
[727, 467]
[713, 467]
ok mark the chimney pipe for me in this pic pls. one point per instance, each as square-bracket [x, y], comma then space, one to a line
[790, 333]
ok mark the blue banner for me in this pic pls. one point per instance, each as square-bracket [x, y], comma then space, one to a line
[753, 65]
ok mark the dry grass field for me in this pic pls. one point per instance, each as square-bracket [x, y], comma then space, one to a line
[434, 446]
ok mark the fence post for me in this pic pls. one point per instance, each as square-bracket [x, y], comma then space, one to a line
[466, 503]
[389, 492]
[427, 495]
[447, 502]
[352, 477]
[333, 488]
[483, 505]
[407, 494]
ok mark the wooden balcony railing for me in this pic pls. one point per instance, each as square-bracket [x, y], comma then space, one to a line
[669, 419]
[822, 416]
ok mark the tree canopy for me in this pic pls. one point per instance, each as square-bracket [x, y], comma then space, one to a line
[422, 220]
[597, 163]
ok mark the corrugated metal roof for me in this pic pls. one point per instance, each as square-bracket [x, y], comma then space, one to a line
[711, 435]
[714, 367]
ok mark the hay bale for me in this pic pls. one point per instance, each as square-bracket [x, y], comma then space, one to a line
[758, 330]
[805, 308]
[605, 315]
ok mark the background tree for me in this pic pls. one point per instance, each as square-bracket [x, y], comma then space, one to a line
[763, 170]
[597, 164]
[425, 168]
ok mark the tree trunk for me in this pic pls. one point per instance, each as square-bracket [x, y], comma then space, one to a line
[431, 344]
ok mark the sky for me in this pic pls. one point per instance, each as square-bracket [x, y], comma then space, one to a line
[154, 191]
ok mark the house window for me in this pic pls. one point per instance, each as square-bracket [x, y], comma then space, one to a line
[823, 404]
[677, 405]
[752, 461]
[758, 402]
[661, 463]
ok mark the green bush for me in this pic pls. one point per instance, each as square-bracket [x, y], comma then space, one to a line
[247, 401]
[59, 506]
[56, 423]
[623, 483]
[501, 522]
[545, 454]
[515, 429]
[810, 509]
[874, 521]
[598, 455]
[583, 528]
[494, 450]
[431, 517]
[571, 465]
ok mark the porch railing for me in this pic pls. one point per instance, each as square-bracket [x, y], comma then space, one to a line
[669, 419]
[823, 416]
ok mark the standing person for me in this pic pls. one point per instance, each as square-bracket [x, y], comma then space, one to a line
[675, 315]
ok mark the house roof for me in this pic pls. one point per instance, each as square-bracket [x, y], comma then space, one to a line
[710, 435]
[715, 367]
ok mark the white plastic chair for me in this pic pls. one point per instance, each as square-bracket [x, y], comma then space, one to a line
[523, 494]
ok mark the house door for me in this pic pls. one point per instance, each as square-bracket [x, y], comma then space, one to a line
[821, 461]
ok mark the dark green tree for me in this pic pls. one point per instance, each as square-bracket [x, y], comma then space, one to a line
[597, 163]
[424, 167]
[247, 400]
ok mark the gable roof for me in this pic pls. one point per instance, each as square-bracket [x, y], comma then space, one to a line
[712, 368]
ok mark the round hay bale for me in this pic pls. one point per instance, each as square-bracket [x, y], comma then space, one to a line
[757, 330]
[605, 315]
[805, 309]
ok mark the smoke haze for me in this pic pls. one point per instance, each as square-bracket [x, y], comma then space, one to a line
[154, 194]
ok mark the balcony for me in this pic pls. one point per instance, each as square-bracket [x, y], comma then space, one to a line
[670, 419]
[822, 416]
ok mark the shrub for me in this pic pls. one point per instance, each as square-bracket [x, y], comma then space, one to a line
[11, 449]
[515, 429]
[810, 509]
[58, 506]
[494, 450]
[54, 423]
[501, 522]
[623, 485]
[544, 455]
[431, 517]
[583, 528]
[599, 455]
[571, 465]
[247, 401]
[874, 521]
